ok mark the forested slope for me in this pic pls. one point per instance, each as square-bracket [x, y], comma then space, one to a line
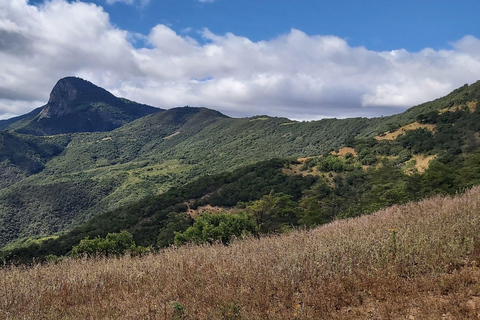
[93, 172]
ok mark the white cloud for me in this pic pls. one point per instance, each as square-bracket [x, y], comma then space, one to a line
[295, 75]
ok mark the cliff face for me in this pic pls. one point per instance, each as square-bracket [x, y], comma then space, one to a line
[61, 97]
[69, 92]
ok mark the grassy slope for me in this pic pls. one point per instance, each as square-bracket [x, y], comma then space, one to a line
[418, 261]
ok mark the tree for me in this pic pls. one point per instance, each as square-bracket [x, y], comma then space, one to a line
[211, 227]
[274, 211]
[113, 244]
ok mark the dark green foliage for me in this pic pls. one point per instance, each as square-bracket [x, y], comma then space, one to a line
[61, 203]
[418, 141]
[176, 222]
[112, 244]
[430, 117]
[274, 211]
[333, 163]
[153, 220]
[209, 228]
[29, 153]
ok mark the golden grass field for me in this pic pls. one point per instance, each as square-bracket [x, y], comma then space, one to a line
[417, 261]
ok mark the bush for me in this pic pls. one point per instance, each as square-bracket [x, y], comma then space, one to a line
[218, 227]
[113, 244]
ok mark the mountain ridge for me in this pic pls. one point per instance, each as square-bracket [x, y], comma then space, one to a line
[77, 105]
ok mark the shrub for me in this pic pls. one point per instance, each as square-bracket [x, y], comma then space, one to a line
[218, 227]
[113, 244]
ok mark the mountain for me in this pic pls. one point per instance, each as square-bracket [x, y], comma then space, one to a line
[76, 105]
[102, 174]
[4, 124]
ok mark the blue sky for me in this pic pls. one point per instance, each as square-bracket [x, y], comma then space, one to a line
[303, 59]
[375, 24]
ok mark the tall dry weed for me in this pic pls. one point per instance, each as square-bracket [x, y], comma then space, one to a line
[416, 261]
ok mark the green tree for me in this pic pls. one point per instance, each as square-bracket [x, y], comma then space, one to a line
[177, 222]
[209, 228]
[274, 211]
[113, 244]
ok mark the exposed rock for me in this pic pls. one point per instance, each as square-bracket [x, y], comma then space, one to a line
[66, 91]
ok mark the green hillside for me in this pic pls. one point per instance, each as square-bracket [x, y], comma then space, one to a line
[280, 194]
[105, 171]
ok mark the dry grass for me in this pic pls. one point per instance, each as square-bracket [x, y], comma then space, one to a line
[296, 169]
[422, 162]
[412, 126]
[344, 151]
[471, 106]
[194, 213]
[417, 261]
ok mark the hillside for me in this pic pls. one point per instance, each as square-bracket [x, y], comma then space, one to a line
[276, 194]
[95, 172]
[418, 261]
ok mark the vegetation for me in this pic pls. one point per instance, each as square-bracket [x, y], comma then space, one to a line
[144, 176]
[187, 183]
[112, 244]
[210, 228]
[417, 261]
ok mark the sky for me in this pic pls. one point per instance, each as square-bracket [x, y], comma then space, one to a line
[302, 59]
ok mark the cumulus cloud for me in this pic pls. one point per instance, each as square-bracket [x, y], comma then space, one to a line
[294, 75]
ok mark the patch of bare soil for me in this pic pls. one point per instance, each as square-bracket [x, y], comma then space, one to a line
[472, 106]
[412, 126]
[422, 162]
[171, 136]
[344, 151]
[208, 208]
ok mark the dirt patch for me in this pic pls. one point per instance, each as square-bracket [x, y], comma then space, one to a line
[260, 119]
[412, 126]
[421, 163]
[472, 106]
[296, 169]
[171, 136]
[194, 213]
[344, 151]
[302, 160]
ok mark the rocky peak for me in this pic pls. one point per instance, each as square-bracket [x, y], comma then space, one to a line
[66, 92]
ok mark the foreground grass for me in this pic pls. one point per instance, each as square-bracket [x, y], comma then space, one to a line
[417, 261]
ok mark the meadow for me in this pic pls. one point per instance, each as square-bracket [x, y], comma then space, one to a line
[415, 261]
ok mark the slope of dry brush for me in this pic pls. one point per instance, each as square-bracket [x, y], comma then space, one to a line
[416, 261]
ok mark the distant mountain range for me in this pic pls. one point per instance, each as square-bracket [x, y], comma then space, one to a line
[88, 154]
